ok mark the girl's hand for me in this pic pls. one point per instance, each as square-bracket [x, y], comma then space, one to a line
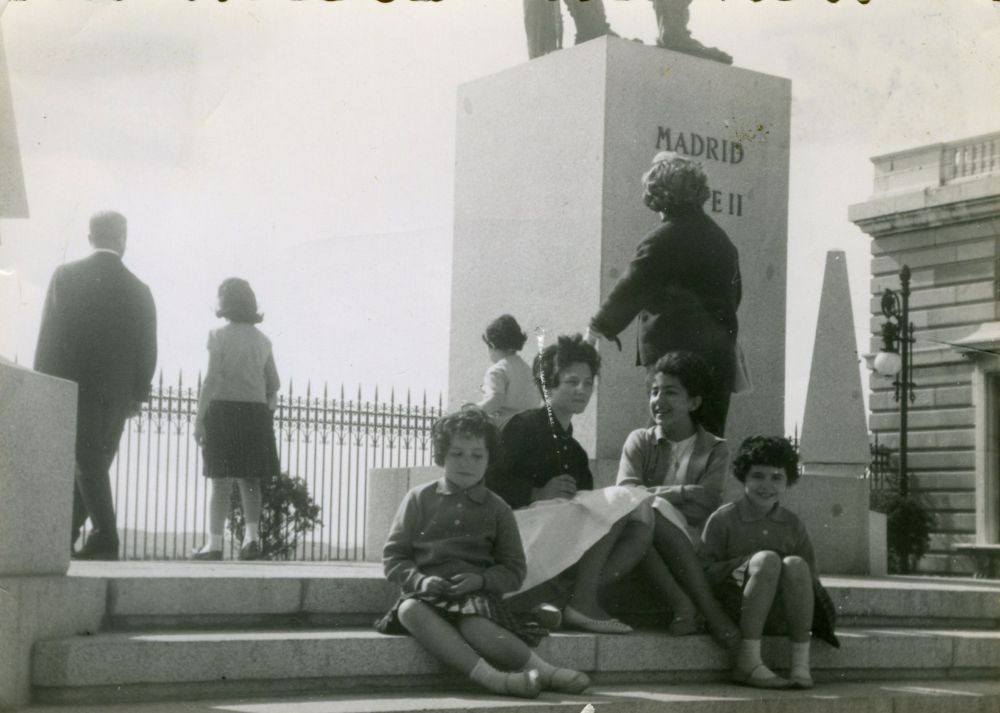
[434, 585]
[562, 486]
[199, 433]
[462, 584]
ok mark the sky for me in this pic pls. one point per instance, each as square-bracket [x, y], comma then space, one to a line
[308, 146]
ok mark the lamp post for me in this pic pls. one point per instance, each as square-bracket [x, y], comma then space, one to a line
[895, 359]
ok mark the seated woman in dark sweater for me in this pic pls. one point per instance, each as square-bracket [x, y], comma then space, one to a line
[544, 475]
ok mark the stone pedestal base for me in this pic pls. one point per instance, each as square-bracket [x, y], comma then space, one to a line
[37, 442]
[549, 211]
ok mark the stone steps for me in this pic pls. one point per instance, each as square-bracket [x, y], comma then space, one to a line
[144, 666]
[937, 696]
[197, 631]
[181, 595]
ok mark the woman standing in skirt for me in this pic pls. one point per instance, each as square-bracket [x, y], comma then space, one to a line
[235, 424]
[454, 550]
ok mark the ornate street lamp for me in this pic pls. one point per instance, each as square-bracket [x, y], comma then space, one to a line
[895, 359]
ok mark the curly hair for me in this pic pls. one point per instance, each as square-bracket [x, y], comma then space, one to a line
[471, 422]
[566, 351]
[504, 333]
[775, 451]
[237, 302]
[674, 182]
[691, 370]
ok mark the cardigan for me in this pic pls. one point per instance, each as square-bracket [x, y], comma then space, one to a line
[442, 531]
[531, 455]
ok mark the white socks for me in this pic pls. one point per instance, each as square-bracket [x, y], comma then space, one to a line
[214, 544]
[553, 678]
[800, 661]
[252, 532]
[524, 684]
[748, 657]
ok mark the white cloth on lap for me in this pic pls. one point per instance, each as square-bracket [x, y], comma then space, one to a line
[556, 533]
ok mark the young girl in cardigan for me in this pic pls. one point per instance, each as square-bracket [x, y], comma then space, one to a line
[454, 550]
[760, 559]
[235, 423]
[508, 386]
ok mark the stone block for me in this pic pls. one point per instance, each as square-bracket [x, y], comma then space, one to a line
[160, 596]
[578, 651]
[35, 608]
[37, 443]
[646, 652]
[835, 511]
[385, 489]
[878, 544]
[597, 113]
[977, 649]
[348, 596]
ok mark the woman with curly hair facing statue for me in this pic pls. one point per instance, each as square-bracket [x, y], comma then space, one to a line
[683, 284]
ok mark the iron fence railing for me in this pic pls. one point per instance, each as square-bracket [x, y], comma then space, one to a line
[881, 473]
[327, 439]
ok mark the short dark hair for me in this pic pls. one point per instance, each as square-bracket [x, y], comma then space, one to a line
[471, 422]
[504, 333]
[107, 229]
[237, 302]
[566, 351]
[775, 451]
[691, 370]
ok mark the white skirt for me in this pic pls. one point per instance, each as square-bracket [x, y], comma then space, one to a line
[556, 533]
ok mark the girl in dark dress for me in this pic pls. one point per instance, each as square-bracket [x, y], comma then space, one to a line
[235, 422]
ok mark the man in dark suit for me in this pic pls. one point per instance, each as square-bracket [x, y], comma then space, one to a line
[683, 283]
[99, 330]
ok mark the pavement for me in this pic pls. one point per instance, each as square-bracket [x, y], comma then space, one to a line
[934, 696]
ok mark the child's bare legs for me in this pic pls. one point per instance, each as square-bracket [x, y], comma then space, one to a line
[251, 499]
[446, 643]
[763, 576]
[797, 601]
[681, 607]
[675, 549]
[218, 509]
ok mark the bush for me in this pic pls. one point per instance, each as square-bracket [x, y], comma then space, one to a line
[909, 524]
[288, 512]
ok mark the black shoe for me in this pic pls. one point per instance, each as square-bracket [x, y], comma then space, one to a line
[250, 551]
[691, 46]
[97, 551]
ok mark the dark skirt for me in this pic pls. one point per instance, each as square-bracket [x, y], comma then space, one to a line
[476, 604]
[730, 596]
[239, 441]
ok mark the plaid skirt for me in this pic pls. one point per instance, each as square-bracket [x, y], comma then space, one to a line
[730, 596]
[239, 441]
[491, 607]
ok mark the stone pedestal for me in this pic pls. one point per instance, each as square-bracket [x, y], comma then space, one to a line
[548, 209]
[37, 437]
[37, 440]
[835, 511]
[385, 490]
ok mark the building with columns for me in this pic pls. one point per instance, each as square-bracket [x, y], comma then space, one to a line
[936, 209]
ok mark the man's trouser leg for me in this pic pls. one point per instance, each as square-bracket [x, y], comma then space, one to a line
[543, 26]
[672, 17]
[99, 430]
[590, 19]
